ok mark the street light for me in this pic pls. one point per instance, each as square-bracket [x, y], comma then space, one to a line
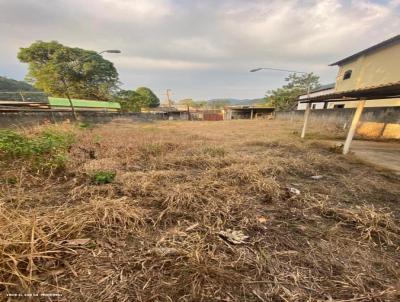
[277, 69]
[110, 51]
[307, 112]
[81, 59]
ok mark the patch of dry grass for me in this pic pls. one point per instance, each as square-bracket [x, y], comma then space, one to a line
[154, 233]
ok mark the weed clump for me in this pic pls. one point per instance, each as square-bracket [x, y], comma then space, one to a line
[46, 150]
[103, 177]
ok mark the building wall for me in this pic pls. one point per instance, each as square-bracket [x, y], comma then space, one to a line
[317, 93]
[302, 106]
[377, 68]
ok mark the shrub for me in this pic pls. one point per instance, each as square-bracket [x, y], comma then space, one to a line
[85, 125]
[46, 150]
[14, 144]
[103, 177]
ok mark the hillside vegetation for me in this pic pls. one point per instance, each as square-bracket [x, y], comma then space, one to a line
[11, 85]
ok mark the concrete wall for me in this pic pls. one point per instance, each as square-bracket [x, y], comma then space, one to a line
[26, 119]
[375, 121]
[302, 106]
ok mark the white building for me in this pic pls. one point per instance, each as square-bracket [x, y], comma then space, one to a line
[322, 90]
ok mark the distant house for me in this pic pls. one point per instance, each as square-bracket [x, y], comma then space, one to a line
[248, 112]
[373, 68]
[322, 90]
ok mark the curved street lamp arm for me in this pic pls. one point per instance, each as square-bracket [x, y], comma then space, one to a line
[277, 69]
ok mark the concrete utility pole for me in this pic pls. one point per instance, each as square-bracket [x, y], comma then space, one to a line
[306, 113]
[168, 98]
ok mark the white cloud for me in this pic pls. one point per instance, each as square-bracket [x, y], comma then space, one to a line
[158, 64]
[202, 47]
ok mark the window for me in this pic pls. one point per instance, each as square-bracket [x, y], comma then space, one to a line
[338, 106]
[347, 75]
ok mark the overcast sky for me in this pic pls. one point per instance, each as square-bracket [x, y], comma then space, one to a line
[201, 49]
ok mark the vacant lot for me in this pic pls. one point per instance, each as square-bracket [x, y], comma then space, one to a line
[194, 211]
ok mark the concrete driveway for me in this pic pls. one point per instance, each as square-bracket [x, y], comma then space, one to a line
[383, 154]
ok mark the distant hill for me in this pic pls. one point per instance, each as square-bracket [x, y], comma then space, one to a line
[7, 84]
[239, 101]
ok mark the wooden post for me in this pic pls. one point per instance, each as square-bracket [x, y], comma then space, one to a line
[353, 126]
[306, 116]
[251, 115]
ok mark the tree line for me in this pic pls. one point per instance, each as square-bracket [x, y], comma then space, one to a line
[286, 97]
[57, 69]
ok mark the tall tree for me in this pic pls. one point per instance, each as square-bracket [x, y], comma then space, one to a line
[149, 99]
[286, 97]
[55, 68]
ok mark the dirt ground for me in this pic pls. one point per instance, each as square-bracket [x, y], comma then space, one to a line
[198, 211]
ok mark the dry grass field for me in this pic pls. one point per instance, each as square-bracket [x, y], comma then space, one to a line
[194, 211]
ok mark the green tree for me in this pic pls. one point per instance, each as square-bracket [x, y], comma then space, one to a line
[201, 104]
[193, 104]
[54, 68]
[286, 97]
[149, 99]
[188, 102]
[130, 100]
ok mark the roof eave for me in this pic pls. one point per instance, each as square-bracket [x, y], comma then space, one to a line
[388, 42]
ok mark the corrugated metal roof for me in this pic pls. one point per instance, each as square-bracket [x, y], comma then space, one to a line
[63, 102]
[323, 87]
[389, 90]
[391, 41]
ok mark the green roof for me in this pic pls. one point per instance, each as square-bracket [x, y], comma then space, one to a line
[63, 102]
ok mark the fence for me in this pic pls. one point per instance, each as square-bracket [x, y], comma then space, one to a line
[32, 118]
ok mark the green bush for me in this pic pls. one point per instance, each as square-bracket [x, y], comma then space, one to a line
[85, 125]
[46, 150]
[103, 177]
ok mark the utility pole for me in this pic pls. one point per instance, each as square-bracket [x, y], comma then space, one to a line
[307, 112]
[168, 98]
[188, 112]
